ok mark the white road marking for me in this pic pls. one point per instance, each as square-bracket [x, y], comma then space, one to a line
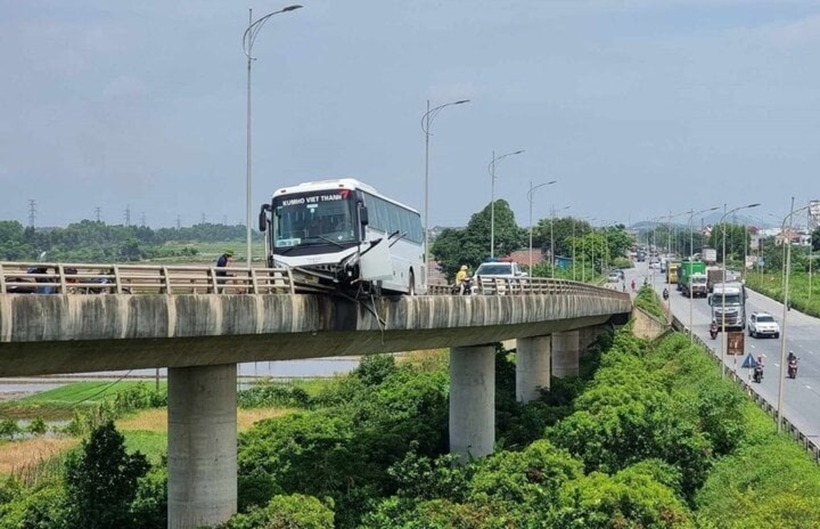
[808, 387]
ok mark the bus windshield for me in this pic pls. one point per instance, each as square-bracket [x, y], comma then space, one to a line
[314, 217]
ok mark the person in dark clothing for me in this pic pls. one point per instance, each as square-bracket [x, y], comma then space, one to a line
[223, 262]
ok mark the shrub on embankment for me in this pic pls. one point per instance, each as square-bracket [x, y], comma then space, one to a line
[654, 438]
[771, 285]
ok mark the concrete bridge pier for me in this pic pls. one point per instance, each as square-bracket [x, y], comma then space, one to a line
[532, 367]
[588, 335]
[202, 482]
[472, 401]
[565, 353]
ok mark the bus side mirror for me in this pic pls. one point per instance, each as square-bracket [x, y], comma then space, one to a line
[363, 218]
[263, 217]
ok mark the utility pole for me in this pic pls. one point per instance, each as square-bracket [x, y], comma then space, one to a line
[97, 212]
[128, 215]
[32, 212]
[202, 219]
[142, 219]
[179, 222]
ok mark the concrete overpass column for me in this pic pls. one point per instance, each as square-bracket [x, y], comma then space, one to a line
[588, 335]
[532, 367]
[202, 482]
[472, 400]
[565, 352]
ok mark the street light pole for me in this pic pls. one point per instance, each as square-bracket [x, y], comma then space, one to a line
[426, 121]
[724, 342]
[787, 272]
[692, 253]
[491, 168]
[529, 198]
[552, 238]
[248, 38]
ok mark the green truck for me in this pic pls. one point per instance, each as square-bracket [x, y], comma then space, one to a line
[692, 278]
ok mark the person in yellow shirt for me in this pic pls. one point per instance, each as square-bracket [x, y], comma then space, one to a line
[460, 277]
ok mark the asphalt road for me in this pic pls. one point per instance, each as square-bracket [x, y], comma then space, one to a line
[801, 396]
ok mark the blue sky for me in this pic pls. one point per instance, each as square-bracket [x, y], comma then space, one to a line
[636, 107]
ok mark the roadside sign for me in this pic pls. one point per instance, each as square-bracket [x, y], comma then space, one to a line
[735, 342]
[749, 362]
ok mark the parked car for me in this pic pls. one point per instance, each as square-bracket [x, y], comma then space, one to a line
[613, 277]
[763, 324]
[497, 270]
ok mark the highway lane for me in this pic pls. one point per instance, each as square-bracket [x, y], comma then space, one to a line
[802, 395]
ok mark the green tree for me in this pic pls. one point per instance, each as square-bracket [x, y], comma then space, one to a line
[101, 481]
[471, 245]
[9, 428]
[736, 237]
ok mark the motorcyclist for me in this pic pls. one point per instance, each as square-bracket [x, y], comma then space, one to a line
[665, 293]
[758, 372]
[792, 357]
[713, 329]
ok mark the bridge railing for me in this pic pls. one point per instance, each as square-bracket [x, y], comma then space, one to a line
[67, 278]
[530, 286]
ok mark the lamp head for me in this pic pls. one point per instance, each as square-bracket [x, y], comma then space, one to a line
[518, 152]
[291, 8]
[461, 101]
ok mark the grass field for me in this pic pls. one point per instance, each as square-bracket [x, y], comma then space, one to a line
[771, 285]
[59, 403]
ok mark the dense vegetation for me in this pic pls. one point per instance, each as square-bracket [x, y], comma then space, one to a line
[593, 249]
[649, 436]
[90, 241]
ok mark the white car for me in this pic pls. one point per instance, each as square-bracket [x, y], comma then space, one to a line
[497, 270]
[763, 324]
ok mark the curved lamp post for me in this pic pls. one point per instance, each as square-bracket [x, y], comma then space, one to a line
[552, 238]
[248, 38]
[491, 168]
[691, 253]
[724, 343]
[786, 272]
[426, 121]
[529, 198]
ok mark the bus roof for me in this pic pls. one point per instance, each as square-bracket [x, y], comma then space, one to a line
[337, 183]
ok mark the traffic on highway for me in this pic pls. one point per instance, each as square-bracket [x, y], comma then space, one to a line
[801, 395]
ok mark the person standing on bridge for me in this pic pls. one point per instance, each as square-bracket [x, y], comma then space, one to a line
[223, 262]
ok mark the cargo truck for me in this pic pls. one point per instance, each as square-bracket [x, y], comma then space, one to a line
[692, 278]
[672, 268]
[728, 301]
[714, 274]
[709, 255]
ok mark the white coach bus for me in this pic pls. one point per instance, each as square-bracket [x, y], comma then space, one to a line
[345, 235]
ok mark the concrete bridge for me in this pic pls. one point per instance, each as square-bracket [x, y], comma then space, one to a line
[200, 337]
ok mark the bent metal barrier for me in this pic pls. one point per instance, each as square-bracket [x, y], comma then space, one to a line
[67, 278]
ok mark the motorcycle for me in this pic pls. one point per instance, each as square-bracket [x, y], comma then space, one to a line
[665, 294]
[792, 368]
[758, 374]
[713, 330]
[465, 288]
